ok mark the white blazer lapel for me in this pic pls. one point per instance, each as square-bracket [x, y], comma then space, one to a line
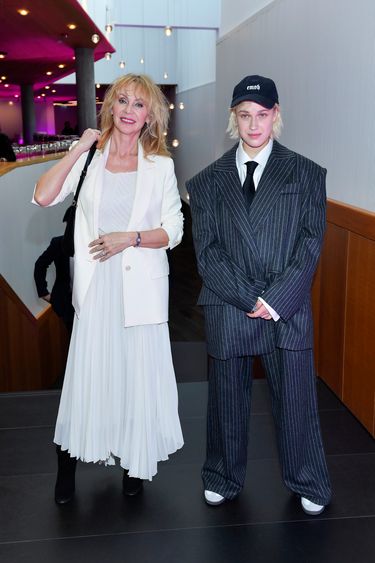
[144, 188]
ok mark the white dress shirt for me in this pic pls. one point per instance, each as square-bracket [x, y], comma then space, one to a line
[261, 158]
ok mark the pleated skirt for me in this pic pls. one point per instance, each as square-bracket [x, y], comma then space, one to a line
[119, 397]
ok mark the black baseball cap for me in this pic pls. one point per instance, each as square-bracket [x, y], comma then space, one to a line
[257, 89]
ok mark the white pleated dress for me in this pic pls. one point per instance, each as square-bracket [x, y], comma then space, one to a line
[119, 397]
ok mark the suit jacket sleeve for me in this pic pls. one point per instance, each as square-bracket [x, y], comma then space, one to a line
[289, 290]
[40, 271]
[219, 272]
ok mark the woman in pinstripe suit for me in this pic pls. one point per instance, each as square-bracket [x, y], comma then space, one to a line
[258, 224]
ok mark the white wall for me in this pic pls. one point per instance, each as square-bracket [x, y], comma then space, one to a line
[321, 55]
[194, 128]
[25, 231]
[188, 56]
[235, 12]
[195, 58]
[189, 13]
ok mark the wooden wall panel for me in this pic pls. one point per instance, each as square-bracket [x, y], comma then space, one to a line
[359, 359]
[344, 309]
[32, 350]
[330, 351]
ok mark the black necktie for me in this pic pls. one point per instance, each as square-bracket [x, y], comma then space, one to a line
[248, 185]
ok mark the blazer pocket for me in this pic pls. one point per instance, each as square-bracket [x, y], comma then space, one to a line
[159, 266]
[291, 189]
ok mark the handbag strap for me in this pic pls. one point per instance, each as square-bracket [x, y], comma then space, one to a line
[84, 171]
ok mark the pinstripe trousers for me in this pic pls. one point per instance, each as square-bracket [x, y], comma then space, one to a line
[292, 383]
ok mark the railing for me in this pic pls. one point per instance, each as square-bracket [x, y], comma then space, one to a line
[43, 148]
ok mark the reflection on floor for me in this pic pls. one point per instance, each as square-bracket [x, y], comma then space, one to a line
[169, 522]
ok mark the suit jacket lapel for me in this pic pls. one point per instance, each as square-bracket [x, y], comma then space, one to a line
[276, 173]
[229, 186]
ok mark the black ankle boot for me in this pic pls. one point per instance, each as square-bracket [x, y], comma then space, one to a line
[65, 482]
[131, 486]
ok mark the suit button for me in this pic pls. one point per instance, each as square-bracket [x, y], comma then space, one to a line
[127, 268]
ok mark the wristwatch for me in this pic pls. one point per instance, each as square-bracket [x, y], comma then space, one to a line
[138, 240]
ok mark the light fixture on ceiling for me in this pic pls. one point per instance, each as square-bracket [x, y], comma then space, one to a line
[47, 87]
[121, 64]
[168, 30]
[71, 26]
[10, 103]
[171, 106]
[165, 75]
[3, 54]
[95, 38]
[108, 56]
[181, 105]
[49, 73]
[61, 65]
[53, 91]
[23, 12]
[175, 143]
[142, 61]
[108, 26]
[6, 85]
[3, 77]
[98, 85]
[43, 94]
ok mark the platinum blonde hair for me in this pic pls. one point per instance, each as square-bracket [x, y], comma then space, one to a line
[232, 128]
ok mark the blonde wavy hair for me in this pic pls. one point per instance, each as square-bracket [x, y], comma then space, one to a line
[152, 136]
[232, 128]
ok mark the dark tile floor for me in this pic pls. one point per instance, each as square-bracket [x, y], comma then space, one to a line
[169, 522]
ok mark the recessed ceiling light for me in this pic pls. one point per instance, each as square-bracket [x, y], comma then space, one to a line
[42, 94]
[168, 30]
[10, 103]
[3, 77]
[98, 85]
[95, 38]
[3, 54]
[49, 72]
[6, 85]
[23, 12]
[53, 91]
[47, 87]
[61, 66]
[72, 26]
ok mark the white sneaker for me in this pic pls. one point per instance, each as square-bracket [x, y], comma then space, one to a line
[214, 499]
[311, 508]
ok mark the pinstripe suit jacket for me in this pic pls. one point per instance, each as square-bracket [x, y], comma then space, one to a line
[270, 251]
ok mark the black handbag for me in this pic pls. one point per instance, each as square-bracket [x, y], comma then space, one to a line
[67, 242]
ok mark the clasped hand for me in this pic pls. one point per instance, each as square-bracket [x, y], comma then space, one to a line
[260, 311]
[109, 244]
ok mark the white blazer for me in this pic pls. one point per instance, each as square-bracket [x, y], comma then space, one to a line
[145, 271]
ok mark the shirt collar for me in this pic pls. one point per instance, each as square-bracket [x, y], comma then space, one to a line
[261, 158]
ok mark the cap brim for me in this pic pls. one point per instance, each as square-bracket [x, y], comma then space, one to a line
[265, 102]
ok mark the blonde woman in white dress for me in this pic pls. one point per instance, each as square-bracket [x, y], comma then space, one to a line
[119, 398]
